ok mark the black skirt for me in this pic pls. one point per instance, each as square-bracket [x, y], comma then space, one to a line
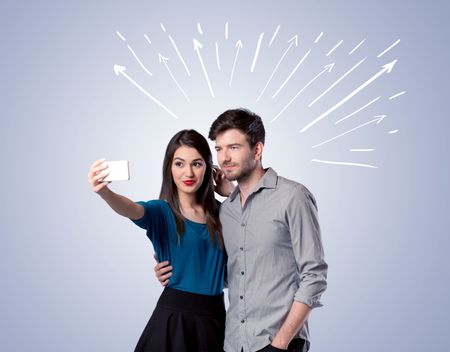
[185, 322]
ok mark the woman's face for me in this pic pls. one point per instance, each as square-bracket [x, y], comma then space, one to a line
[188, 169]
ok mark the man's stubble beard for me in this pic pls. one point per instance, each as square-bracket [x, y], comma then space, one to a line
[244, 173]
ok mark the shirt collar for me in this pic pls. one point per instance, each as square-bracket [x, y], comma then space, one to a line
[269, 180]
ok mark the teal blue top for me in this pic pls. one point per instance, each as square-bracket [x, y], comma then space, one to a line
[198, 265]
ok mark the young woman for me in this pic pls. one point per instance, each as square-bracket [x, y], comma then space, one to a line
[184, 227]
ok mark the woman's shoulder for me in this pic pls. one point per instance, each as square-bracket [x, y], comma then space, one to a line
[154, 204]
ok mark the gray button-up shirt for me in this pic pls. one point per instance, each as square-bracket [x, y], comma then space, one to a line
[275, 256]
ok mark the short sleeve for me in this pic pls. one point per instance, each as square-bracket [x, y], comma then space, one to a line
[154, 220]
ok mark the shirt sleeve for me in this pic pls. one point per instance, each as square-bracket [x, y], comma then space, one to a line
[154, 219]
[307, 246]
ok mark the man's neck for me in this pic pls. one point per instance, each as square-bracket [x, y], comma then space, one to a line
[249, 183]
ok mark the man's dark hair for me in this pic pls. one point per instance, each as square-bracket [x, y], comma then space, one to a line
[242, 119]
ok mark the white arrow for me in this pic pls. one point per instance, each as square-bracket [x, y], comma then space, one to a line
[197, 47]
[326, 68]
[386, 69]
[139, 61]
[292, 41]
[255, 57]
[164, 60]
[343, 163]
[291, 74]
[378, 119]
[335, 83]
[239, 47]
[179, 55]
[121, 70]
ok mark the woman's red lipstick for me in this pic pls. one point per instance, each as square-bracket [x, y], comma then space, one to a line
[188, 182]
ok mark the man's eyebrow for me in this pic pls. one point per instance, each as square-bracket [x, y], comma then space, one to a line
[229, 145]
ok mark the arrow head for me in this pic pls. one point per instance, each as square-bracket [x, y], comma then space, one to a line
[380, 118]
[162, 58]
[197, 44]
[390, 66]
[239, 44]
[119, 69]
[329, 67]
[295, 39]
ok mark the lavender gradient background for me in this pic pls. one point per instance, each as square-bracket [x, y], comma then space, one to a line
[76, 277]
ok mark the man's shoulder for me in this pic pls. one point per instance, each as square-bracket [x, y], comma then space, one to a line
[286, 184]
[294, 190]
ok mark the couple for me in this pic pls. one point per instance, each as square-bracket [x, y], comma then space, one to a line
[267, 227]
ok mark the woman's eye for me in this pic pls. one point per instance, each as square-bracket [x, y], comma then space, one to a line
[178, 164]
[198, 164]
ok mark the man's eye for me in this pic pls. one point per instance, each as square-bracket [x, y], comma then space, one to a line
[234, 147]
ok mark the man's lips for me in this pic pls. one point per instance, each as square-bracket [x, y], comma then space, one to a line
[189, 182]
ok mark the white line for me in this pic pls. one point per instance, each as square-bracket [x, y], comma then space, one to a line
[356, 47]
[326, 68]
[121, 36]
[377, 120]
[293, 40]
[335, 83]
[199, 27]
[217, 56]
[121, 70]
[164, 60]
[393, 131]
[362, 150]
[238, 46]
[274, 35]
[179, 55]
[318, 38]
[335, 47]
[255, 57]
[356, 111]
[148, 40]
[385, 69]
[389, 48]
[197, 47]
[344, 163]
[163, 28]
[226, 31]
[291, 74]
[139, 61]
[397, 95]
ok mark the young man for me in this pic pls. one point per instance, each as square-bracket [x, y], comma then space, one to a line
[276, 266]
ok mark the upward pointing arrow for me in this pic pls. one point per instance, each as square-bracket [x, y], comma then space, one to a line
[163, 59]
[385, 69]
[326, 68]
[238, 47]
[120, 70]
[197, 47]
[293, 41]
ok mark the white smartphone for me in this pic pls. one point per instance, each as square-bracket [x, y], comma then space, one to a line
[118, 170]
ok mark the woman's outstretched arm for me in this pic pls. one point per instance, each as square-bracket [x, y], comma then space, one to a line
[120, 204]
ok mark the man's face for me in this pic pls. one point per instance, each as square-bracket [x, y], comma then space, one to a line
[234, 155]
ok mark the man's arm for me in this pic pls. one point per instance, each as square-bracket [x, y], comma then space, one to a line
[308, 251]
[294, 321]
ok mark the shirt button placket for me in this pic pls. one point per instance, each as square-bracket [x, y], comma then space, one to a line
[242, 283]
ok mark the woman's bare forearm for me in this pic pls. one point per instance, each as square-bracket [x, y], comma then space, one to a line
[123, 205]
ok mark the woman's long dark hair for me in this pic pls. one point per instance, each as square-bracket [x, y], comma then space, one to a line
[204, 195]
